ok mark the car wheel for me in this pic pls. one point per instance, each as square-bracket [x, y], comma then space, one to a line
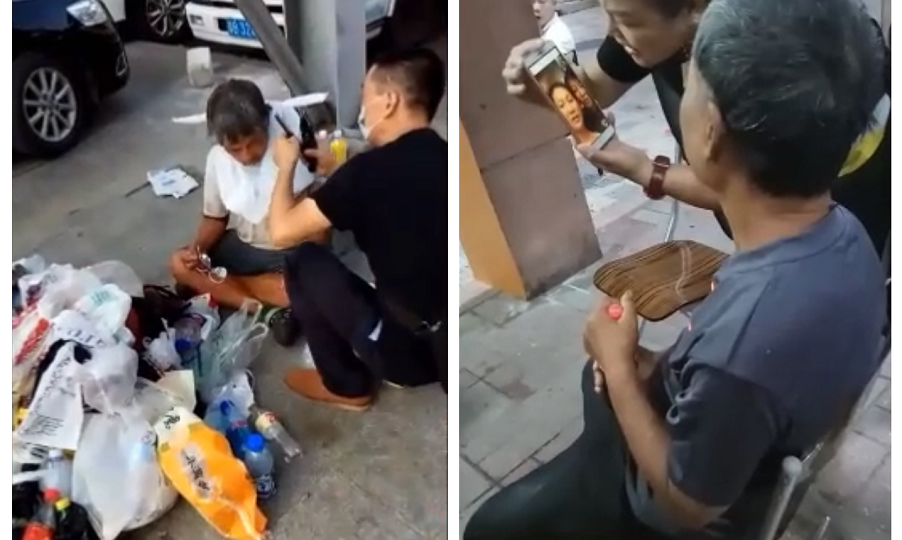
[163, 21]
[50, 105]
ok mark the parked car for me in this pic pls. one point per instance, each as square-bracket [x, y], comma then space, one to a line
[163, 21]
[220, 21]
[67, 56]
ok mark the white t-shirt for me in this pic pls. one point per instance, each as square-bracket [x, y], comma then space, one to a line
[557, 32]
[243, 192]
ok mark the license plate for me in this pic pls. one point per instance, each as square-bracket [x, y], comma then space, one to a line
[240, 28]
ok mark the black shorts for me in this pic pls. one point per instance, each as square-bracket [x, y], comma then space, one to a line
[242, 259]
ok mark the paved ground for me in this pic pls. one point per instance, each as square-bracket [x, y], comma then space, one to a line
[520, 362]
[379, 475]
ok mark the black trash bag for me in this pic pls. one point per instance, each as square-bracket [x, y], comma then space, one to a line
[26, 497]
[73, 524]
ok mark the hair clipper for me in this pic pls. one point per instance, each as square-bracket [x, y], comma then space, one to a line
[308, 141]
[307, 138]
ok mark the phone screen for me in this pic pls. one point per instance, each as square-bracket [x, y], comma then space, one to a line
[567, 94]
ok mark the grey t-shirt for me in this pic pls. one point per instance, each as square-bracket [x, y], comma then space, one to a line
[772, 359]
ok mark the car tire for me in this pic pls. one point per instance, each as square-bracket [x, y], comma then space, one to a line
[144, 17]
[33, 74]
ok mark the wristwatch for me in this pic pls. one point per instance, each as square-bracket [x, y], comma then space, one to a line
[655, 188]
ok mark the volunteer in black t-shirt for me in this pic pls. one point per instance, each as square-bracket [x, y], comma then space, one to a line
[394, 199]
[653, 37]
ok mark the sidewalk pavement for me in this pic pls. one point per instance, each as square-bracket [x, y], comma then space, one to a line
[520, 364]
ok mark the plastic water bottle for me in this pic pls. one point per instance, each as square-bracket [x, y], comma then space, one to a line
[224, 417]
[58, 476]
[272, 430]
[260, 465]
[188, 336]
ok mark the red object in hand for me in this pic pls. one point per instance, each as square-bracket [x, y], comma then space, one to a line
[615, 311]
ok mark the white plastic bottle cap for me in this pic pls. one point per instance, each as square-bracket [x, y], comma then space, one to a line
[337, 134]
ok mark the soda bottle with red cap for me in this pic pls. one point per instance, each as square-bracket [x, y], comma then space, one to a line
[43, 525]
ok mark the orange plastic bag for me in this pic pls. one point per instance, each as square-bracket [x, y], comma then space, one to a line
[199, 463]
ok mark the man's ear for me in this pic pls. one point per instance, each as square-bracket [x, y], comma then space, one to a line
[715, 133]
[392, 102]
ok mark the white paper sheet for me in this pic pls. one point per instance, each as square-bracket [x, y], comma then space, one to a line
[55, 416]
[172, 182]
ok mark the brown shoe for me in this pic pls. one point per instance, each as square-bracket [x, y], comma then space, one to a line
[308, 384]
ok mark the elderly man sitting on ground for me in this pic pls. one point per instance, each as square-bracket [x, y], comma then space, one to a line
[238, 183]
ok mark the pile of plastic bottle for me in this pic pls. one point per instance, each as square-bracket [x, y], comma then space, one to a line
[249, 439]
[56, 516]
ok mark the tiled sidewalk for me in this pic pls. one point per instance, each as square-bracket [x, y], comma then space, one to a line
[520, 403]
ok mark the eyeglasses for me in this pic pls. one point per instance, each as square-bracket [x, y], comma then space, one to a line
[216, 274]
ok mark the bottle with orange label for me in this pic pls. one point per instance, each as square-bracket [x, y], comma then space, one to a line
[272, 430]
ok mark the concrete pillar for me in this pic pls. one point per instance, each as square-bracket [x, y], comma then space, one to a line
[329, 37]
[524, 222]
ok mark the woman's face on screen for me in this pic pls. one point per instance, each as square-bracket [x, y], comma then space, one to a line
[570, 108]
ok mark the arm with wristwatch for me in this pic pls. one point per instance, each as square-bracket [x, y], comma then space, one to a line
[658, 176]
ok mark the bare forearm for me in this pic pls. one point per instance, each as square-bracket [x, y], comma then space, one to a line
[209, 232]
[679, 182]
[281, 203]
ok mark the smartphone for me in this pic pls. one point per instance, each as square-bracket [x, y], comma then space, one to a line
[567, 94]
[307, 138]
[308, 141]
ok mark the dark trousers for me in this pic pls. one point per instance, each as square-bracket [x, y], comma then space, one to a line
[578, 495]
[337, 311]
[581, 493]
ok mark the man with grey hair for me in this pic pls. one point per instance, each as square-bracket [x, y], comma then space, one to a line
[238, 182]
[688, 444]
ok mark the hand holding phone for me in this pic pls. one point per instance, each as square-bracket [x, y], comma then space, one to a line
[286, 149]
[308, 142]
[306, 139]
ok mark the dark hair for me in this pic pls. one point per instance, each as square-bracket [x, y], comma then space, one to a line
[795, 81]
[236, 109]
[554, 86]
[418, 73]
[672, 8]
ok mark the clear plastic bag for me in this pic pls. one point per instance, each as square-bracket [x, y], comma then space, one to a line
[230, 349]
[115, 450]
[108, 379]
[120, 450]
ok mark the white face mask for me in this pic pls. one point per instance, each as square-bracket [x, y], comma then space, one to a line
[366, 130]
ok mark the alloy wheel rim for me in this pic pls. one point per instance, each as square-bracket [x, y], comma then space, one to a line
[165, 17]
[49, 104]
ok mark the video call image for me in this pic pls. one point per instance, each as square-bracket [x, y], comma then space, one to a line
[569, 96]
